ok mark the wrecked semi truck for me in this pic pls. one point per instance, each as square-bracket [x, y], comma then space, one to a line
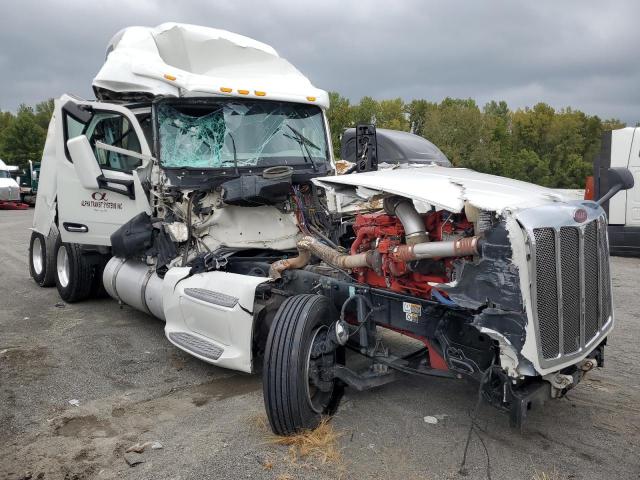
[199, 187]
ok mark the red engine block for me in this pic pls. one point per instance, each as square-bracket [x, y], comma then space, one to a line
[384, 232]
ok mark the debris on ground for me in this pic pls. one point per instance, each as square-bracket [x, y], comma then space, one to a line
[133, 459]
[59, 305]
[434, 419]
[75, 402]
[141, 447]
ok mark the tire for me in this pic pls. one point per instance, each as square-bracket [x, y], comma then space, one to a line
[291, 402]
[97, 287]
[73, 272]
[42, 265]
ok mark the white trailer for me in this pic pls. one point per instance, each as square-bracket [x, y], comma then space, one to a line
[621, 148]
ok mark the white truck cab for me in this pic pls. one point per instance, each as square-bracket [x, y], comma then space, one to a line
[199, 188]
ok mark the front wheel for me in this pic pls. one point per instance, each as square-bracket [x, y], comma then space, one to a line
[298, 382]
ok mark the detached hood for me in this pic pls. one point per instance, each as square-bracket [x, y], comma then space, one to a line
[444, 188]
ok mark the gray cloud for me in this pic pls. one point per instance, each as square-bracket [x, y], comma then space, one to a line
[571, 53]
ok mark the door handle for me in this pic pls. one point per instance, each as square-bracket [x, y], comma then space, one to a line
[75, 227]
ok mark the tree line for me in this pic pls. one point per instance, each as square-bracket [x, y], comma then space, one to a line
[22, 134]
[555, 148]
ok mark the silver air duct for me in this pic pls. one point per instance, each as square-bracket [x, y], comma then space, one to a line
[412, 222]
[132, 282]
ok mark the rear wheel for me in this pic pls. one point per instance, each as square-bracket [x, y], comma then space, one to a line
[73, 272]
[297, 380]
[42, 265]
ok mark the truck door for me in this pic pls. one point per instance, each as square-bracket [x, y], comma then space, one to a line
[90, 215]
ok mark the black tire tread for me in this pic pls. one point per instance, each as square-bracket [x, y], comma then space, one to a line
[81, 274]
[47, 277]
[284, 402]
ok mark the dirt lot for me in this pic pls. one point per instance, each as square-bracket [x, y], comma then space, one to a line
[132, 386]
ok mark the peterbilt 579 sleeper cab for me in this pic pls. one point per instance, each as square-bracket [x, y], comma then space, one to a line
[200, 189]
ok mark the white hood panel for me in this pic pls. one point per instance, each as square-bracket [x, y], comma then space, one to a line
[444, 188]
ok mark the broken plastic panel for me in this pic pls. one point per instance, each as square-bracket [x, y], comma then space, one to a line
[229, 133]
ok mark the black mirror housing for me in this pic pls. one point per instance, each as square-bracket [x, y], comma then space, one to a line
[620, 178]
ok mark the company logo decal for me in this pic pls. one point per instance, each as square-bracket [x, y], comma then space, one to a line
[100, 201]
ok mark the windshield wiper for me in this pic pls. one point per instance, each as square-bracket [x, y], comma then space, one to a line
[305, 143]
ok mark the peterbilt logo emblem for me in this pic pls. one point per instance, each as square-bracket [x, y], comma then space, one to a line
[580, 215]
[99, 196]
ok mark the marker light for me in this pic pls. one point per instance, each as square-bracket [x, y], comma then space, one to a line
[243, 92]
[226, 89]
[169, 77]
[259, 93]
[311, 99]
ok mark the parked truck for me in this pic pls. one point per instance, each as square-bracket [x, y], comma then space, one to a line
[9, 188]
[28, 181]
[200, 187]
[620, 148]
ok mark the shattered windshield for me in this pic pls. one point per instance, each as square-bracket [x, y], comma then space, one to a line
[226, 133]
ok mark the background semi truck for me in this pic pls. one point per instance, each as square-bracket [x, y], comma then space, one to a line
[620, 148]
[200, 187]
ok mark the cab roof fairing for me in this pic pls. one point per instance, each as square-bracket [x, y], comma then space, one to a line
[177, 60]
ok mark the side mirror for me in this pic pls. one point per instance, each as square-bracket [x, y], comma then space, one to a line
[619, 179]
[84, 161]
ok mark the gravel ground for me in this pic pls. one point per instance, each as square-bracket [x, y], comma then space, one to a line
[132, 386]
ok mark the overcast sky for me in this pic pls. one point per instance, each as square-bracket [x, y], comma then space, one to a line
[583, 54]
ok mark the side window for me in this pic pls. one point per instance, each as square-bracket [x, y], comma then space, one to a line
[72, 128]
[116, 130]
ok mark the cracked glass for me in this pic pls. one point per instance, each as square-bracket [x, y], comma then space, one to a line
[243, 133]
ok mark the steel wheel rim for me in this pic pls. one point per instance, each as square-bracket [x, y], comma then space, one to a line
[62, 266]
[37, 256]
[316, 398]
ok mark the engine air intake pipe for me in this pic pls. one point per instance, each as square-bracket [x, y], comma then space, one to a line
[461, 247]
[405, 253]
[412, 222]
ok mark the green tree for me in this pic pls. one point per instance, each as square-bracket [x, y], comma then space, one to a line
[455, 127]
[417, 111]
[340, 117]
[5, 120]
[44, 112]
[366, 111]
[23, 139]
[391, 114]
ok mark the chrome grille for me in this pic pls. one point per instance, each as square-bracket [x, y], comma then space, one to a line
[572, 293]
[570, 266]
[546, 277]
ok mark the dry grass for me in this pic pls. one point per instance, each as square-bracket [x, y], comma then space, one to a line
[260, 421]
[553, 475]
[319, 444]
